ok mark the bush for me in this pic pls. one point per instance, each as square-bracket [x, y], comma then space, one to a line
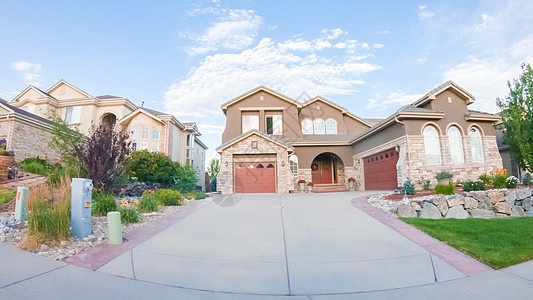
[445, 189]
[511, 182]
[103, 203]
[444, 175]
[499, 181]
[408, 187]
[35, 165]
[487, 180]
[128, 215]
[47, 220]
[169, 197]
[201, 195]
[148, 203]
[474, 186]
[527, 179]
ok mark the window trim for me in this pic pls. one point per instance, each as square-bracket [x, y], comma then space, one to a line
[315, 122]
[336, 126]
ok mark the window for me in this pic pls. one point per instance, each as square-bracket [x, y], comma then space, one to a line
[331, 126]
[319, 126]
[133, 146]
[307, 126]
[144, 132]
[432, 145]
[134, 133]
[29, 108]
[73, 115]
[144, 146]
[188, 139]
[477, 145]
[188, 154]
[155, 147]
[274, 125]
[456, 145]
[155, 134]
[293, 164]
[250, 122]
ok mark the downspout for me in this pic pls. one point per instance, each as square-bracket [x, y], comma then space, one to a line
[407, 146]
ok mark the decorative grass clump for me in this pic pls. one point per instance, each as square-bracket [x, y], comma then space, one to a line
[128, 215]
[103, 203]
[6, 195]
[168, 197]
[445, 189]
[499, 243]
[148, 203]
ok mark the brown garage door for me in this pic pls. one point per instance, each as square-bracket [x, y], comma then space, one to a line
[380, 170]
[255, 177]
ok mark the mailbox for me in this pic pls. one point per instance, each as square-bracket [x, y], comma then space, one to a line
[80, 207]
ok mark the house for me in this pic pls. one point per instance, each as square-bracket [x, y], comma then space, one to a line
[508, 160]
[271, 141]
[149, 129]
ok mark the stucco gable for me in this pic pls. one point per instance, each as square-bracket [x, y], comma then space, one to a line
[343, 110]
[256, 90]
[64, 90]
[139, 111]
[4, 109]
[250, 133]
[449, 85]
[30, 93]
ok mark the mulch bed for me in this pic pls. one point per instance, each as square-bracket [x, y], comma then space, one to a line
[399, 197]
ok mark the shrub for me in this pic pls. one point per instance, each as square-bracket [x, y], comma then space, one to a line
[527, 179]
[487, 180]
[200, 195]
[474, 186]
[6, 195]
[168, 197]
[152, 167]
[148, 203]
[511, 182]
[426, 184]
[103, 203]
[408, 187]
[445, 189]
[499, 181]
[128, 215]
[35, 165]
[444, 175]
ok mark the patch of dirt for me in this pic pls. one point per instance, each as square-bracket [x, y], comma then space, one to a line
[421, 193]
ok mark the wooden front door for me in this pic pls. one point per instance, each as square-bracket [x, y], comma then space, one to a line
[322, 169]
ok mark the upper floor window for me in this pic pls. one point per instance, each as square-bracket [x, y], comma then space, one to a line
[456, 145]
[134, 133]
[319, 126]
[155, 147]
[250, 122]
[188, 139]
[293, 164]
[144, 132]
[29, 108]
[307, 126]
[331, 126]
[155, 134]
[73, 115]
[274, 125]
[432, 145]
[477, 145]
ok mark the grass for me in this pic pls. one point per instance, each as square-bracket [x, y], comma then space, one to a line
[6, 195]
[498, 243]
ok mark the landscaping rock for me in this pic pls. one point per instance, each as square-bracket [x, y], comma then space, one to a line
[530, 213]
[485, 204]
[500, 215]
[406, 211]
[416, 206]
[502, 207]
[482, 213]
[523, 193]
[511, 198]
[496, 197]
[527, 203]
[457, 212]
[479, 195]
[456, 200]
[518, 211]
[44, 247]
[430, 211]
[442, 204]
[470, 203]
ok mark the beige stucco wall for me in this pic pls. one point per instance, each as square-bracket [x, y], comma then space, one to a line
[63, 91]
[199, 165]
[320, 109]
[141, 120]
[175, 143]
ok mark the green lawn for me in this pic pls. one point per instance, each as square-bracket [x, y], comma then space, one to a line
[498, 243]
[6, 195]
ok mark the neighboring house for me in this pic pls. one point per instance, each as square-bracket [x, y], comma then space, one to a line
[508, 159]
[149, 129]
[271, 141]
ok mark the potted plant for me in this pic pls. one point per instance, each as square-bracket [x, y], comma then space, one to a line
[6, 157]
[301, 182]
[351, 182]
[310, 186]
[444, 177]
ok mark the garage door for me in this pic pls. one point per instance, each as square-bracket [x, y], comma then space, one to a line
[380, 170]
[255, 177]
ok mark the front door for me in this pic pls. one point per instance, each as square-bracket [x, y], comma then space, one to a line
[322, 169]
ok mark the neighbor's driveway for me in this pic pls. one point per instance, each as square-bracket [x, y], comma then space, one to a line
[297, 244]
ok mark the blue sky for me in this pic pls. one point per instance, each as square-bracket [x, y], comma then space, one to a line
[189, 57]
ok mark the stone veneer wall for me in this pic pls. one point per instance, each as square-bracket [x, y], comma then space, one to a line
[28, 140]
[225, 176]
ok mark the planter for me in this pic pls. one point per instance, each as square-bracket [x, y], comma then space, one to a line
[7, 161]
[444, 181]
[302, 187]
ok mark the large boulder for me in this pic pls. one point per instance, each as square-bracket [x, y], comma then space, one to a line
[406, 211]
[442, 205]
[478, 195]
[527, 203]
[518, 211]
[482, 213]
[457, 212]
[430, 211]
[511, 198]
[470, 203]
[496, 197]
[523, 193]
[485, 204]
[503, 208]
[416, 206]
[456, 200]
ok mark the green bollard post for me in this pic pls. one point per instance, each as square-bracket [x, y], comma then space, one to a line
[114, 228]
[20, 204]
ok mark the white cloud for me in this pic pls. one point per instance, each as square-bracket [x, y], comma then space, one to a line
[384, 32]
[378, 46]
[30, 72]
[424, 13]
[422, 60]
[235, 30]
[394, 100]
[333, 34]
[206, 128]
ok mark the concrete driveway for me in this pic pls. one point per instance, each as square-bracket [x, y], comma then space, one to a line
[297, 244]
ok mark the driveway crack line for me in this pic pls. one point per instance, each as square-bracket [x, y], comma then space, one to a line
[285, 246]
[34, 276]
[433, 267]
[133, 265]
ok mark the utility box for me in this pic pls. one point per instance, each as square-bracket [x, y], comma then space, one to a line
[20, 204]
[80, 207]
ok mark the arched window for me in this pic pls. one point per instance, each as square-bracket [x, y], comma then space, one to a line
[331, 126]
[319, 126]
[293, 163]
[307, 126]
[432, 145]
[456, 145]
[477, 145]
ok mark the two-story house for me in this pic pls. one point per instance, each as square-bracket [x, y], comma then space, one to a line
[149, 129]
[271, 141]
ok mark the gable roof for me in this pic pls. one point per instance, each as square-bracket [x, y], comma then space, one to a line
[431, 95]
[31, 87]
[63, 82]
[342, 109]
[250, 133]
[263, 88]
[24, 113]
[108, 97]
[140, 110]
